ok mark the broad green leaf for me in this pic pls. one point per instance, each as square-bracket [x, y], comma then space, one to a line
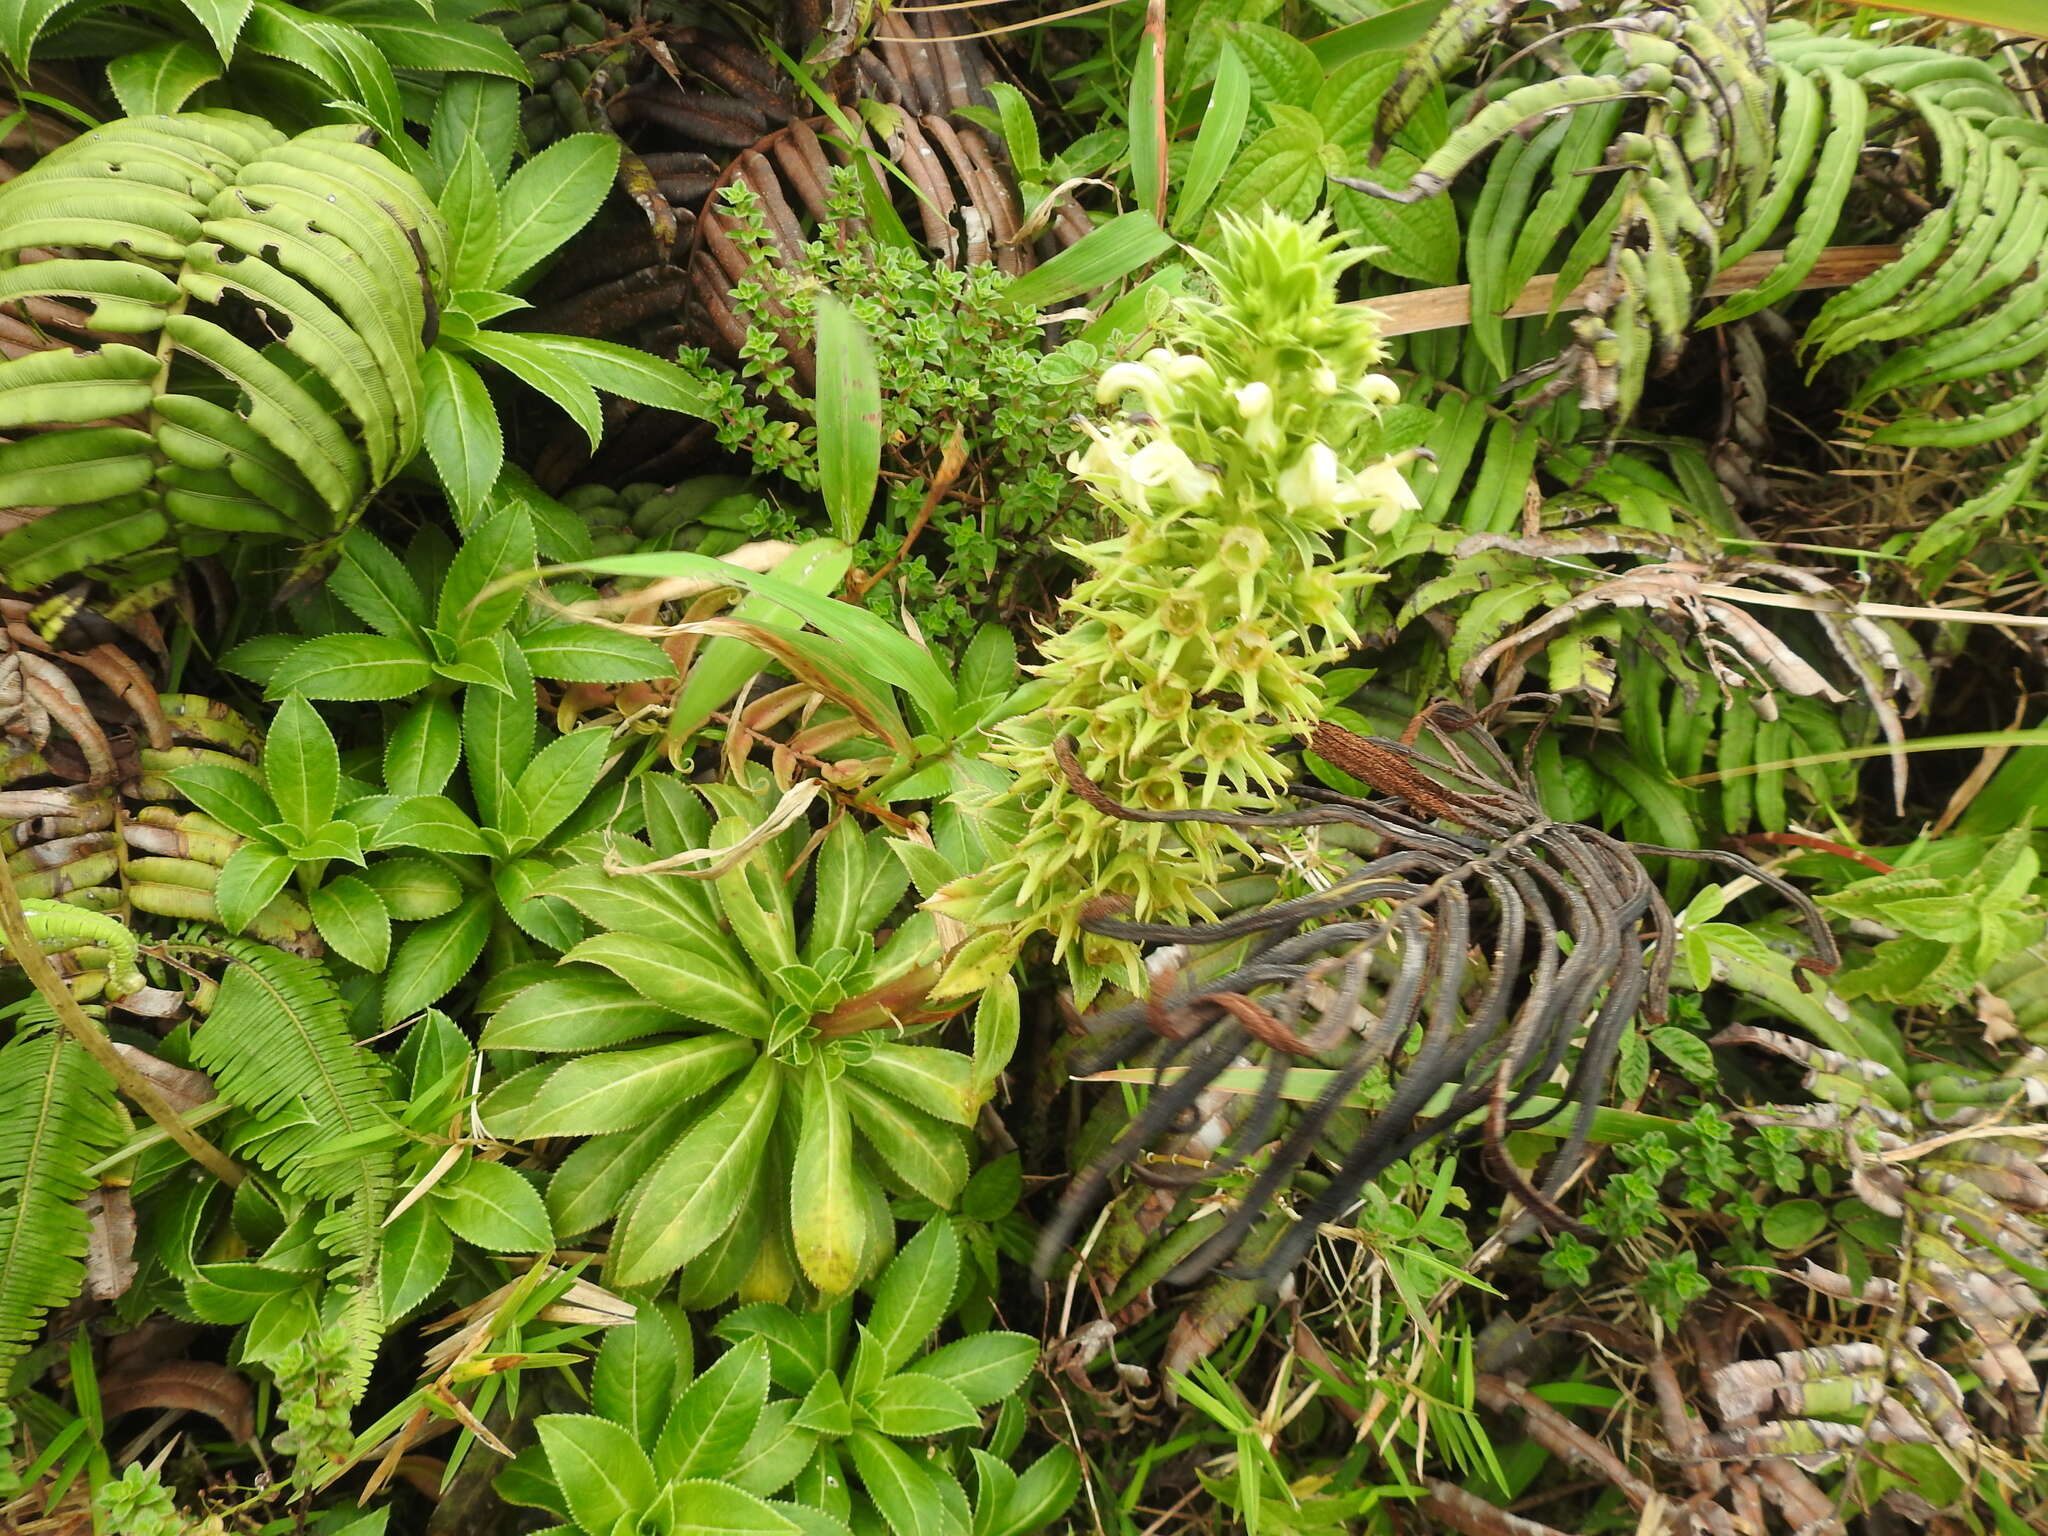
[936, 1081]
[634, 1380]
[1282, 169]
[493, 1207]
[435, 956]
[352, 667]
[997, 1022]
[501, 541]
[900, 1487]
[849, 417]
[418, 1248]
[497, 735]
[231, 1293]
[21, 23]
[549, 198]
[479, 108]
[462, 434]
[1415, 240]
[376, 587]
[1098, 258]
[1687, 1051]
[1348, 106]
[558, 780]
[584, 653]
[776, 1451]
[301, 766]
[629, 373]
[715, 1418]
[337, 56]
[432, 822]
[984, 1367]
[1216, 141]
[825, 1409]
[647, 906]
[619, 1090]
[411, 39]
[353, 920]
[597, 1180]
[541, 370]
[414, 890]
[1020, 130]
[424, 748]
[691, 1196]
[469, 202]
[160, 79]
[684, 981]
[599, 1467]
[1046, 1490]
[755, 899]
[915, 1406]
[1147, 120]
[249, 881]
[827, 1209]
[924, 1153]
[1792, 1224]
[330, 840]
[799, 1346]
[223, 22]
[585, 1010]
[912, 1297]
[230, 796]
[707, 1507]
[1280, 66]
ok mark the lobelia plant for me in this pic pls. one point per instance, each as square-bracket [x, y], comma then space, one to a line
[1191, 655]
[736, 1070]
[798, 1426]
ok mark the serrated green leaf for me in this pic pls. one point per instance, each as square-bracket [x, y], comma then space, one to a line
[549, 198]
[353, 920]
[491, 1206]
[619, 1090]
[160, 79]
[435, 957]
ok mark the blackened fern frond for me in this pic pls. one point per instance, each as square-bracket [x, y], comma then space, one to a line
[1504, 937]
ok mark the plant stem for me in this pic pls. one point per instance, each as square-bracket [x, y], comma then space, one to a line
[81, 1027]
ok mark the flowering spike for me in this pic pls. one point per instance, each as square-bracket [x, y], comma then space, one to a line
[1249, 444]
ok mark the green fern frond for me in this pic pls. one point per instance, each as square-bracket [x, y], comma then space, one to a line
[56, 1120]
[181, 222]
[276, 1044]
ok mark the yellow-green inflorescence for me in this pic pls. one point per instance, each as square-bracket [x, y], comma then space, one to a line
[1190, 657]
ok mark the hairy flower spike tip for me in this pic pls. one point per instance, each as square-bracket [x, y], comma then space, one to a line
[1249, 440]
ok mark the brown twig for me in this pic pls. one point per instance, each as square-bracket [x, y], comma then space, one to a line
[1441, 309]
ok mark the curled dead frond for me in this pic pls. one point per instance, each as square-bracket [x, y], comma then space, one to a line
[1680, 585]
[1962, 1169]
[1504, 937]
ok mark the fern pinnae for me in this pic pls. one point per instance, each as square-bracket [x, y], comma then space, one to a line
[277, 1045]
[57, 1118]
